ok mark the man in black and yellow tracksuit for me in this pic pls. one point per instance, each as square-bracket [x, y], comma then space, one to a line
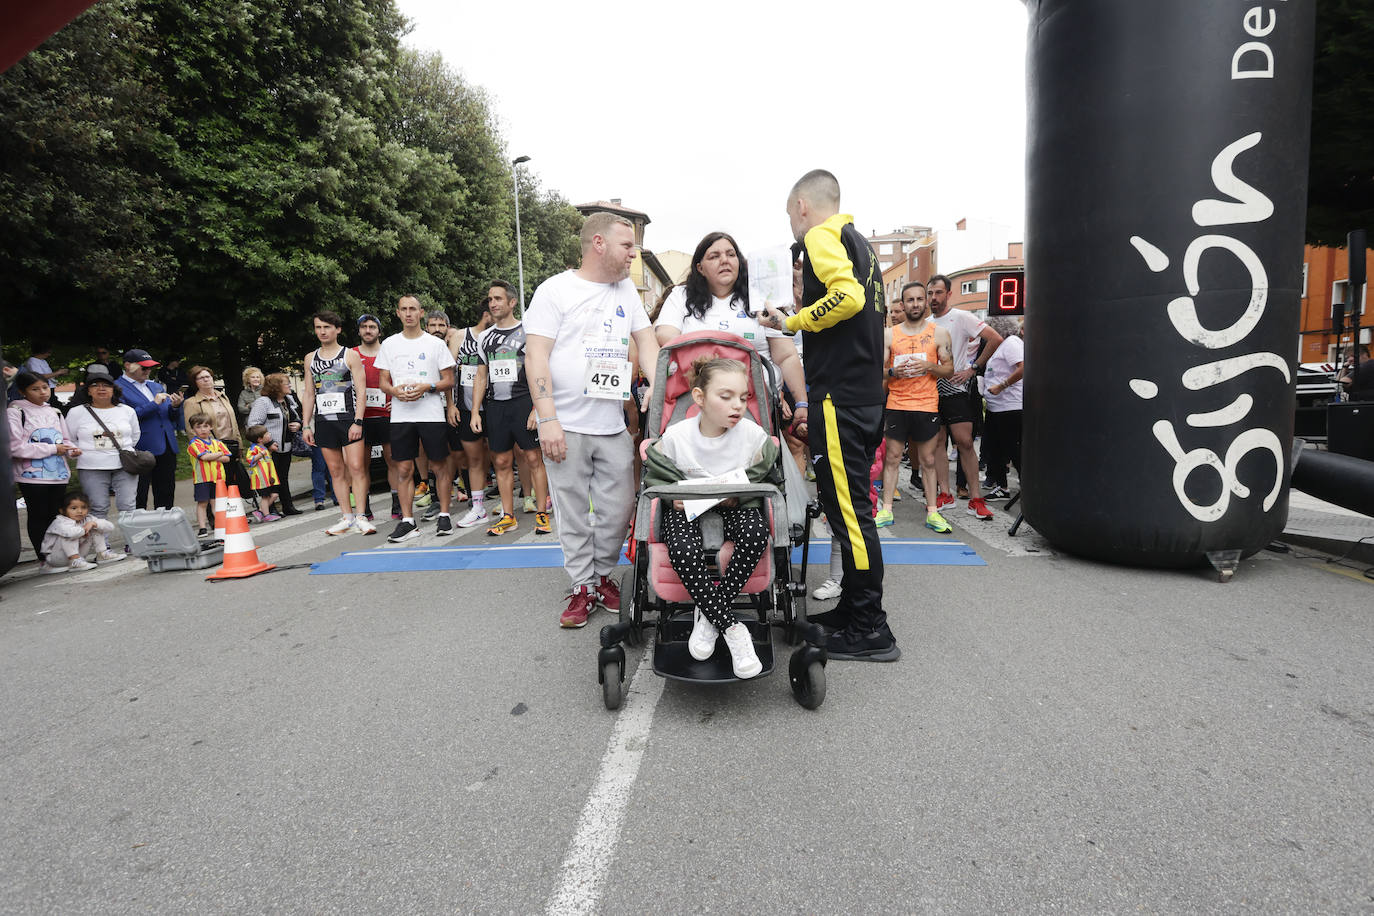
[841, 318]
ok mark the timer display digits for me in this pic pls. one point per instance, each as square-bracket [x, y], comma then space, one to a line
[1006, 292]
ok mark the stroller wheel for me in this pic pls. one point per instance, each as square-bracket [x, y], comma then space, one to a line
[612, 687]
[808, 679]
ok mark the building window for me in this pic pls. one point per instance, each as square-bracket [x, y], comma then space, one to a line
[969, 287]
[886, 248]
[1340, 293]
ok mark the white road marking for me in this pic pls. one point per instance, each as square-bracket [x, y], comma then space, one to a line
[590, 853]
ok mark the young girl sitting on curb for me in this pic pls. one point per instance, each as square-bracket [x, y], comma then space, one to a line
[75, 535]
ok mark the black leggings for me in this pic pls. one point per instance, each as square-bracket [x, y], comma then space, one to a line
[746, 528]
[42, 502]
[1002, 444]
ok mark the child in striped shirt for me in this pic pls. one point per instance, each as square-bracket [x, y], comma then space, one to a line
[262, 473]
[208, 458]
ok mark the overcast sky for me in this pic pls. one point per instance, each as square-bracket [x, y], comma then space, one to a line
[702, 114]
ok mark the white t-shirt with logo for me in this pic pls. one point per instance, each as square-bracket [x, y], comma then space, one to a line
[1002, 364]
[586, 321]
[699, 456]
[962, 327]
[421, 360]
[720, 315]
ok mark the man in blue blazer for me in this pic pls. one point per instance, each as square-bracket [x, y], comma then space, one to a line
[159, 416]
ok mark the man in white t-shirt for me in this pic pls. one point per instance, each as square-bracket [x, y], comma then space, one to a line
[416, 368]
[578, 329]
[956, 404]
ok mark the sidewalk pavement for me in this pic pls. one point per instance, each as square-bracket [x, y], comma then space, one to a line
[1329, 528]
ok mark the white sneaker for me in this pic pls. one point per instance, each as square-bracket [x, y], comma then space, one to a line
[47, 569]
[475, 516]
[342, 526]
[80, 563]
[702, 643]
[110, 556]
[363, 526]
[742, 656]
[828, 589]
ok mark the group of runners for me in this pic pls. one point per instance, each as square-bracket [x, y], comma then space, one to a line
[444, 404]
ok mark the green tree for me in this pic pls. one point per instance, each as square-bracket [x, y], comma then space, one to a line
[83, 205]
[1340, 194]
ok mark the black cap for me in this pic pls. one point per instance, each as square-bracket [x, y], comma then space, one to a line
[98, 373]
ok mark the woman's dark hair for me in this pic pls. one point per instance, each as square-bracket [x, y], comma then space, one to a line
[24, 379]
[115, 396]
[698, 292]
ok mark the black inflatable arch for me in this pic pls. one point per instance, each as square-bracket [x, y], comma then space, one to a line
[1167, 147]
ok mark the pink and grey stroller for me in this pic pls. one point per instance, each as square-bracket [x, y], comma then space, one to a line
[652, 596]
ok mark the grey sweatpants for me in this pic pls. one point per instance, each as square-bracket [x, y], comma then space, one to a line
[599, 471]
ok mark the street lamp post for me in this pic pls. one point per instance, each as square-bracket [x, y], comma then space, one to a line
[519, 254]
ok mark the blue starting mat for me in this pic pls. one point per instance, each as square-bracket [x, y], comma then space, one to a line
[896, 552]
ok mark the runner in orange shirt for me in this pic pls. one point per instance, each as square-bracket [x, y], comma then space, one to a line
[916, 353]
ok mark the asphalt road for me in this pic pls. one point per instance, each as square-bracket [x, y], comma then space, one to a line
[1059, 736]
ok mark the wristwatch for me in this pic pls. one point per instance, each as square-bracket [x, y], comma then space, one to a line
[357, 422]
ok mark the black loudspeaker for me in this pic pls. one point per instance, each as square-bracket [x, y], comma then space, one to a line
[1166, 196]
[1350, 429]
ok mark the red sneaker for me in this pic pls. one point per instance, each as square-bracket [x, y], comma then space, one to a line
[942, 500]
[978, 508]
[580, 604]
[608, 595]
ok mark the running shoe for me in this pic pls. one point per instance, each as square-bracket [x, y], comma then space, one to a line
[743, 659]
[883, 519]
[530, 505]
[80, 564]
[702, 643]
[997, 492]
[443, 526]
[422, 497]
[936, 522]
[319, 505]
[272, 517]
[363, 526]
[47, 569]
[979, 509]
[405, 531]
[474, 517]
[342, 526]
[202, 532]
[541, 523]
[943, 500]
[896, 494]
[110, 556]
[256, 516]
[608, 595]
[431, 512]
[505, 523]
[827, 590]
[852, 645]
[580, 604]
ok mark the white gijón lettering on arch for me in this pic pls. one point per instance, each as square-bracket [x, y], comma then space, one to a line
[1246, 205]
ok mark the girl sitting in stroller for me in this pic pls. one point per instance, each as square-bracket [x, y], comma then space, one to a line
[720, 439]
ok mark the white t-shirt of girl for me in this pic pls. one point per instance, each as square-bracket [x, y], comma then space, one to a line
[721, 315]
[98, 451]
[699, 456]
[1002, 364]
[585, 320]
[416, 361]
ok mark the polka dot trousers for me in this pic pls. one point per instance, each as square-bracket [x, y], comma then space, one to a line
[746, 528]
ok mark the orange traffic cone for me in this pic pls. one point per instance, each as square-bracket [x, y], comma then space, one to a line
[240, 553]
[221, 506]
